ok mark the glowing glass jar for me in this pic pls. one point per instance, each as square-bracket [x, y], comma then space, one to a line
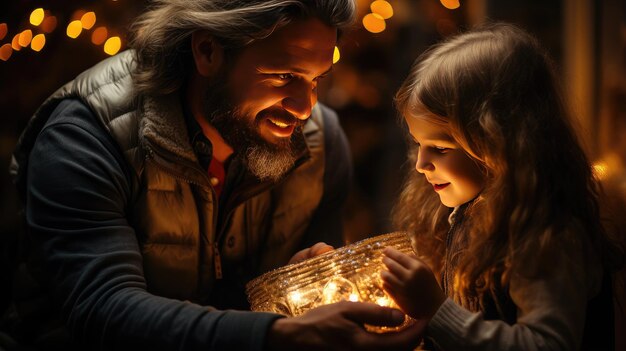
[349, 273]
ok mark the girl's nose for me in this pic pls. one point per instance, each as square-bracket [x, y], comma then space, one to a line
[423, 163]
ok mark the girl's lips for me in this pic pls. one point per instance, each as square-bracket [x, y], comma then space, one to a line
[440, 186]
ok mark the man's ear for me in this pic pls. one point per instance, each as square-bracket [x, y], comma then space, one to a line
[208, 54]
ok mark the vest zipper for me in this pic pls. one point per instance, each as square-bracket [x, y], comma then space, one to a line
[217, 261]
[219, 232]
[217, 258]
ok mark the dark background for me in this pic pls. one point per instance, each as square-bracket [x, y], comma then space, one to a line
[586, 38]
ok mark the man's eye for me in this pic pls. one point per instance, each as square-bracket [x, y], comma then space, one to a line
[284, 76]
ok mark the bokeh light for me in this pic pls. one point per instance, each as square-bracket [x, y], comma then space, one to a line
[25, 38]
[336, 55]
[5, 52]
[38, 42]
[88, 20]
[78, 14]
[4, 29]
[49, 24]
[99, 35]
[374, 23]
[36, 17]
[112, 45]
[74, 29]
[15, 43]
[451, 4]
[383, 8]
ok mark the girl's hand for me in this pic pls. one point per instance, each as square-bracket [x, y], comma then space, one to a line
[412, 284]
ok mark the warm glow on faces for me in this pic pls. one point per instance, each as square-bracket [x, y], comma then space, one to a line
[273, 81]
[455, 176]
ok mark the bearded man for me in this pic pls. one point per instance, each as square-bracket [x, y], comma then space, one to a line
[160, 181]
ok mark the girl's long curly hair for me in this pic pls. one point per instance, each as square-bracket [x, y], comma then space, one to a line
[496, 90]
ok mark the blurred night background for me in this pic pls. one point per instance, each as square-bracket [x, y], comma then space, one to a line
[44, 44]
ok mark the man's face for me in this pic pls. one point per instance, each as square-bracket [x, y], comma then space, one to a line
[261, 103]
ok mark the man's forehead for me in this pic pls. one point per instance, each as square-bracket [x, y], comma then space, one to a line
[296, 45]
[294, 64]
[296, 53]
[309, 34]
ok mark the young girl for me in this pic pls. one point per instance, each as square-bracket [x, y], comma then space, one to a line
[503, 206]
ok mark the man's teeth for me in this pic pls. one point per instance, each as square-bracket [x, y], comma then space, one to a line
[278, 123]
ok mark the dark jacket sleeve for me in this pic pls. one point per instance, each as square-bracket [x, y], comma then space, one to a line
[86, 254]
[326, 223]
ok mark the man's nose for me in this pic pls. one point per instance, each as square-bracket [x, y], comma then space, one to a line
[300, 100]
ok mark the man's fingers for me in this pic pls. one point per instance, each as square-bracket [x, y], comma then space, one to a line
[370, 313]
[309, 252]
[406, 339]
[300, 256]
[319, 249]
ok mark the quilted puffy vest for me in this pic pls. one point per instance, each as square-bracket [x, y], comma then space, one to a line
[173, 209]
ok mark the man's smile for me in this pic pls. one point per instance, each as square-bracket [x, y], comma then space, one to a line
[280, 128]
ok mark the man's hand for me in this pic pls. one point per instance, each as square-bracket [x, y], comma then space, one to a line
[312, 251]
[412, 284]
[339, 326]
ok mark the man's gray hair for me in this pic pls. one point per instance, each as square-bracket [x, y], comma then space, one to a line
[161, 36]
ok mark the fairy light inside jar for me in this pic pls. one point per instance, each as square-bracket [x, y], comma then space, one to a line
[349, 273]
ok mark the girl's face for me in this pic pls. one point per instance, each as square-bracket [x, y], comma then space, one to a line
[455, 176]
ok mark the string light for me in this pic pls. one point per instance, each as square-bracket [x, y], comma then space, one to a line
[15, 43]
[88, 20]
[74, 29]
[38, 42]
[112, 45]
[25, 38]
[350, 273]
[36, 17]
[4, 29]
[78, 14]
[5, 52]
[49, 24]
[99, 35]
[336, 55]
[374, 23]
[383, 8]
[451, 4]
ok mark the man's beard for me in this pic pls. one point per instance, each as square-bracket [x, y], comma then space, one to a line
[265, 160]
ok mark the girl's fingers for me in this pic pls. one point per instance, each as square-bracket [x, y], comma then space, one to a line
[391, 290]
[403, 259]
[390, 279]
[395, 268]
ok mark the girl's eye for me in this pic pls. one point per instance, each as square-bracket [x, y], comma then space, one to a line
[441, 149]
